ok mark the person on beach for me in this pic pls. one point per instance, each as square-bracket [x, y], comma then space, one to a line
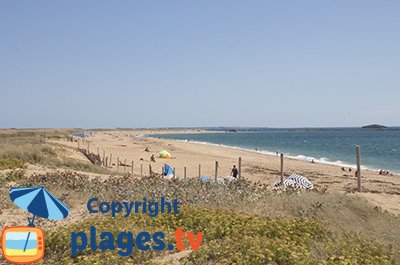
[383, 172]
[234, 171]
[153, 158]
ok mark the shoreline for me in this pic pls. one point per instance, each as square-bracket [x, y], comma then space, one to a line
[257, 167]
[303, 158]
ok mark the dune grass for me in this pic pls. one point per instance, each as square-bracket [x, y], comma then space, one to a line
[11, 163]
[244, 222]
[18, 147]
[29, 146]
[15, 175]
[230, 237]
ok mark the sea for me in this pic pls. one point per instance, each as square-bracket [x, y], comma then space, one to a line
[380, 148]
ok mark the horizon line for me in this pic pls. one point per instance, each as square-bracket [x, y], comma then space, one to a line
[194, 127]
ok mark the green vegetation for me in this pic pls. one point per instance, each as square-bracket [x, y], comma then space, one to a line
[244, 223]
[230, 238]
[240, 238]
[13, 175]
[11, 163]
[18, 147]
[34, 133]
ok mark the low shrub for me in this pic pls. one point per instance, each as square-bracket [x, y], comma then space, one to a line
[230, 237]
[12, 176]
[11, 163]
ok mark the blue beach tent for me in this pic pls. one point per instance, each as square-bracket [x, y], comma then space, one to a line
[168, 171]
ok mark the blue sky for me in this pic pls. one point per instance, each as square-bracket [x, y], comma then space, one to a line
[199, 63]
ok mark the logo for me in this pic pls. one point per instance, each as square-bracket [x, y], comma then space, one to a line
[25, 244]
[22, 244]
[125, 241]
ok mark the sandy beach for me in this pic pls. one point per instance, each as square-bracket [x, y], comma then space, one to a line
[334, 209]
[130, 146]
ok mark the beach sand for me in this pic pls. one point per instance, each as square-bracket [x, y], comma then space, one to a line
[384, 191]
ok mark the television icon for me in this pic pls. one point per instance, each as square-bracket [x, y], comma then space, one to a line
[22, 244]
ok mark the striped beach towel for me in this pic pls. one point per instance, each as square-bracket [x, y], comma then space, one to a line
[295, 181]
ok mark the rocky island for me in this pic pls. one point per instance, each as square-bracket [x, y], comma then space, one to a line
[374, 126]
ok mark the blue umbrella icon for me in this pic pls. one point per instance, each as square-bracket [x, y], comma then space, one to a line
[39, 202]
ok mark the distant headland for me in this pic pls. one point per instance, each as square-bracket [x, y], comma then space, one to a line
[374, 126]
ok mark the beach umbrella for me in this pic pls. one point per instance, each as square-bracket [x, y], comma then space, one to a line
[295, 181]
[39, 202]
[165, 154]
[168, 172]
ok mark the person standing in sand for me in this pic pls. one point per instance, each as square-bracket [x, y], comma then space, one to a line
[234, 171]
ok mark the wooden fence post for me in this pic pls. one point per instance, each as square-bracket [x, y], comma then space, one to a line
[124, 165]
[199, 170]
[132, 169]
[109, 163]
[240, 168]
[88, 145]
[104, 158]
[150, 170]
[216, 170]
[281, 169]
[174, 173]
[184, 172]
[358, 168]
